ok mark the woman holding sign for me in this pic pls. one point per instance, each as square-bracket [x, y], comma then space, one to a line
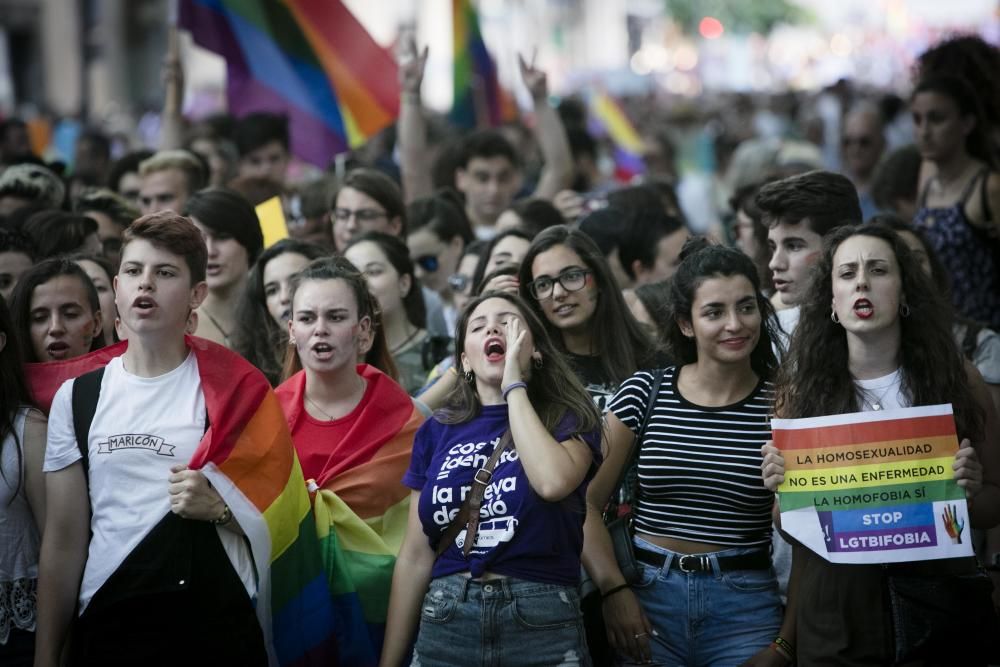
[706, 593]
[491, 561]
[875, 335]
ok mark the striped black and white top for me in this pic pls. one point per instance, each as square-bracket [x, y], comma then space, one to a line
[699, 467]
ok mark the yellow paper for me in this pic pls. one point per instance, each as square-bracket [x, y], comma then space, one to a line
[272, 221]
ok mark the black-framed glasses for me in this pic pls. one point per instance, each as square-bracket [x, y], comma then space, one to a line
[362, 215]
[571, 280]
[459, 282]
[428, 263]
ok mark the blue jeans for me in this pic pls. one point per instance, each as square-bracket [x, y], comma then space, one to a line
[712, 618]
[498, 623]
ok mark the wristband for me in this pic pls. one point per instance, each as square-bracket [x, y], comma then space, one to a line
[616, 589]
[225, 517]
[784, 647]
[511, 387]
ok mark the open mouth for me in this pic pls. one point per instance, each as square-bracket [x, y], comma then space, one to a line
[144, 303]
[322, 349]
[494, 349]
[863, 308]
[58, 349]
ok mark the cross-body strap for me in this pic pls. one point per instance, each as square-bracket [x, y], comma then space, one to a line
[468, 516]
[86, 392]
[633, 453]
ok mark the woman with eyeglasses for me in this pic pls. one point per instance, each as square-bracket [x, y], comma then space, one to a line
[368, 201]
[569, 284]
[438, 235]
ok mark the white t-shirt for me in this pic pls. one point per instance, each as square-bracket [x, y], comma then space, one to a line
[882, 393]
[788, 319]
[141, 428]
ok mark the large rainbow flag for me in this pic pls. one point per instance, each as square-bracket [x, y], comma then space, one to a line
[608, 119]
[309, 59]
[478, 99]
[248, 456]
[361, 509]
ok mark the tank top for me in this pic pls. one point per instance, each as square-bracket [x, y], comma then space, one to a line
[967, 253]
[18, 538]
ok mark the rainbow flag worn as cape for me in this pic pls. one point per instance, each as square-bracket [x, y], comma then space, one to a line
[361, 508]
[479, 101]
[247, 455]
[608, 119]
[309, 59]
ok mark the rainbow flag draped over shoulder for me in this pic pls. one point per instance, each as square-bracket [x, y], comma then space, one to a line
[361, 508]
[248, 456]
[608, 119]
[478, 99]
[310, 59]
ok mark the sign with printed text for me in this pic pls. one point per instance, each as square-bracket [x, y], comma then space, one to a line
[874, 487]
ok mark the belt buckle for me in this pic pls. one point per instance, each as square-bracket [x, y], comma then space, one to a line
[486, 473]
[698, 567]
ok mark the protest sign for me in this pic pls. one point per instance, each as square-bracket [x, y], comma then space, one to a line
[874, 487]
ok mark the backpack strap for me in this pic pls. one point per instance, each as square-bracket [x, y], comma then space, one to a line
[86, 392]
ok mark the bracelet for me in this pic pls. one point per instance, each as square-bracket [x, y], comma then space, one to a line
[616, 589]
[225, 517]
[784, 647]
[511, 387]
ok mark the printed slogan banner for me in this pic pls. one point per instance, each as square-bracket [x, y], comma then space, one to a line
[874, 487]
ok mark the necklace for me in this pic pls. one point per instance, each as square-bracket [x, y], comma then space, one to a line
[406, 342]
[215, 323]
[878, 403]
[327, 415]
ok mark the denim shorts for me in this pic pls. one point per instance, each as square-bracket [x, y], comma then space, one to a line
[707, 618]
[499, 623]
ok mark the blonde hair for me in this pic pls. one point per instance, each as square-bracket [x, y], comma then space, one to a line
[181, 160]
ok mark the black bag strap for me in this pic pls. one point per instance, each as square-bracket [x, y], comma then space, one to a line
[86, 392]
[468, 516]
[633, 454]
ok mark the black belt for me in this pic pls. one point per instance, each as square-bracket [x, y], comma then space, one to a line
[757, 560]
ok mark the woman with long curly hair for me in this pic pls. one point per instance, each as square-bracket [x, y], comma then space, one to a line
[875, 334]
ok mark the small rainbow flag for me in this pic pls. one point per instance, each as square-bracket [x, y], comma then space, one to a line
[479, 100]
[309, 59]
[608, 119]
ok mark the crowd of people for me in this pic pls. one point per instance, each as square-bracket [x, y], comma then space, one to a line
[468, 348]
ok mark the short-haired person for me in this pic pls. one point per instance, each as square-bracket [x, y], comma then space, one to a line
[862, 143]
[168, 179]
[57, 312]
[234, 240]
[799, 211]
[650, 245]
[874, 334]
[56, 233]
[263, 145]
[489, 170]
[504, 590]
[112, 213]
[23, 185]
[367, 201]
[124, 178]
[169, 554]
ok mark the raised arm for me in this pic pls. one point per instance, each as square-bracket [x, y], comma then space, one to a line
[557, 173]
[63, 556]
[554, 469]
[416, 172]
[411, 577]
[171, 121]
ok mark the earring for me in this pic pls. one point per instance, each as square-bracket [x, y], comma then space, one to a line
[470, 377]
[291, 342]
[536, 362]
[833, 316]
[904, 310]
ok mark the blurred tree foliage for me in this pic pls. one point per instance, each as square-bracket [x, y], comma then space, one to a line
[737, 16]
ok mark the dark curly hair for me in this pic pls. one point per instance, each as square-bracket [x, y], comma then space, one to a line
[815, 378]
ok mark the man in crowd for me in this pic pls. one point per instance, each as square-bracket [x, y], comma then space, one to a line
[168, 179]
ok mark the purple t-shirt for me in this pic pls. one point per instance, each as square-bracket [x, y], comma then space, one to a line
[520, 534]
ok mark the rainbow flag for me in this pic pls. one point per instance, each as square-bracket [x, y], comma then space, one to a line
[309, 59]
[608, 119]
[361, 508]
[247, 455]
[478, 99]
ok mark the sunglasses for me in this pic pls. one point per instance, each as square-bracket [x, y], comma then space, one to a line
[428, 263]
